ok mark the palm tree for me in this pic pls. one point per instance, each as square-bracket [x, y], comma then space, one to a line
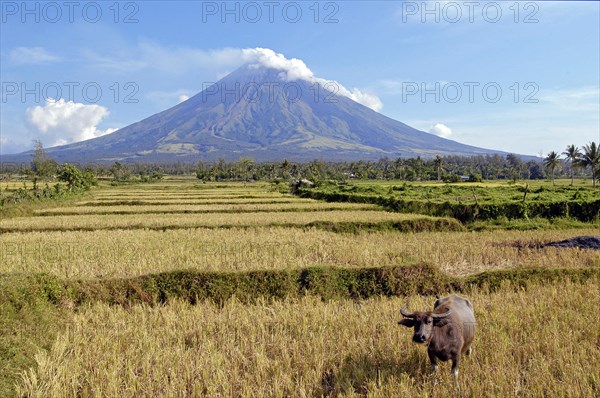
[572, 155]
[591, 157]
[438, 161]
[245, 165]
[552, 161]
[285, 168]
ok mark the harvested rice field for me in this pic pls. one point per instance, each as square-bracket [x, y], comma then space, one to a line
[535, 336]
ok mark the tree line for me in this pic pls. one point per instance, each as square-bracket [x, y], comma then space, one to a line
[584, 162]
[577, 162]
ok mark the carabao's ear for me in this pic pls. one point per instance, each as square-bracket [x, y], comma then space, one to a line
[409, 323]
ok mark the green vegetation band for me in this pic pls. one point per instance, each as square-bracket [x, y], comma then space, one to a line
[585, 211]
[325, 282]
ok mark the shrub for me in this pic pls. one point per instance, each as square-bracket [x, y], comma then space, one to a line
[475, 177]
[451, 178]
[75, 178]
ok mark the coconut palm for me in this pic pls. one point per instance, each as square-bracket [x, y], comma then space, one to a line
[245, 165]
[551, 162]
[572, 155]
[438, 161]
[590, 157]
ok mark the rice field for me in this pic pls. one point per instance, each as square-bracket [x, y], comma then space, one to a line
[180, 197]
[188, 202]
[132, 252]
[178, 221]
[541, 340]
[545, 347]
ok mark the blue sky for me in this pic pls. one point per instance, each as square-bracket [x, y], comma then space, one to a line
[77, 70]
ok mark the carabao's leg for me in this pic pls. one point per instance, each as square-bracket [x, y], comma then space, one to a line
[455, 362]
[434, 367]
[433, 360]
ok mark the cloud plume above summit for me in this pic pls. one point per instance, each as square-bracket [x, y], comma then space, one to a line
[292, 69]
[296, 69]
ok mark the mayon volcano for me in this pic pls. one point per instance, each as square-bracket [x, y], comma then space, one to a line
[270, 109]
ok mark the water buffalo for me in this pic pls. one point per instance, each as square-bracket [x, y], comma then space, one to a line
[448, 330]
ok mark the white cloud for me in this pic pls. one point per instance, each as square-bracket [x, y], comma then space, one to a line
[169, 61]
[63, 122]
[586, 99]
[32, 55]
[441, 130]
[296, 69]
[183, 98]
[124, 64]
[392, 85]
[185, 59]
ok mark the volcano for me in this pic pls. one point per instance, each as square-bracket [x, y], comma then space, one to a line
[259, 112]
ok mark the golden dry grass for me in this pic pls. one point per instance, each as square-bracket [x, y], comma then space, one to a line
[140, 221]
[179, 201]
[539, 342]
[14, 185]
[184, 192]
[191, 185]
[127, 253]
[206, 208]
[180, 196]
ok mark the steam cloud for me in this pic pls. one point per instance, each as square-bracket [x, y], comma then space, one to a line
[296, 69]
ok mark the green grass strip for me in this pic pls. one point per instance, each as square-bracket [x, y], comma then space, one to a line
[323, 281]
